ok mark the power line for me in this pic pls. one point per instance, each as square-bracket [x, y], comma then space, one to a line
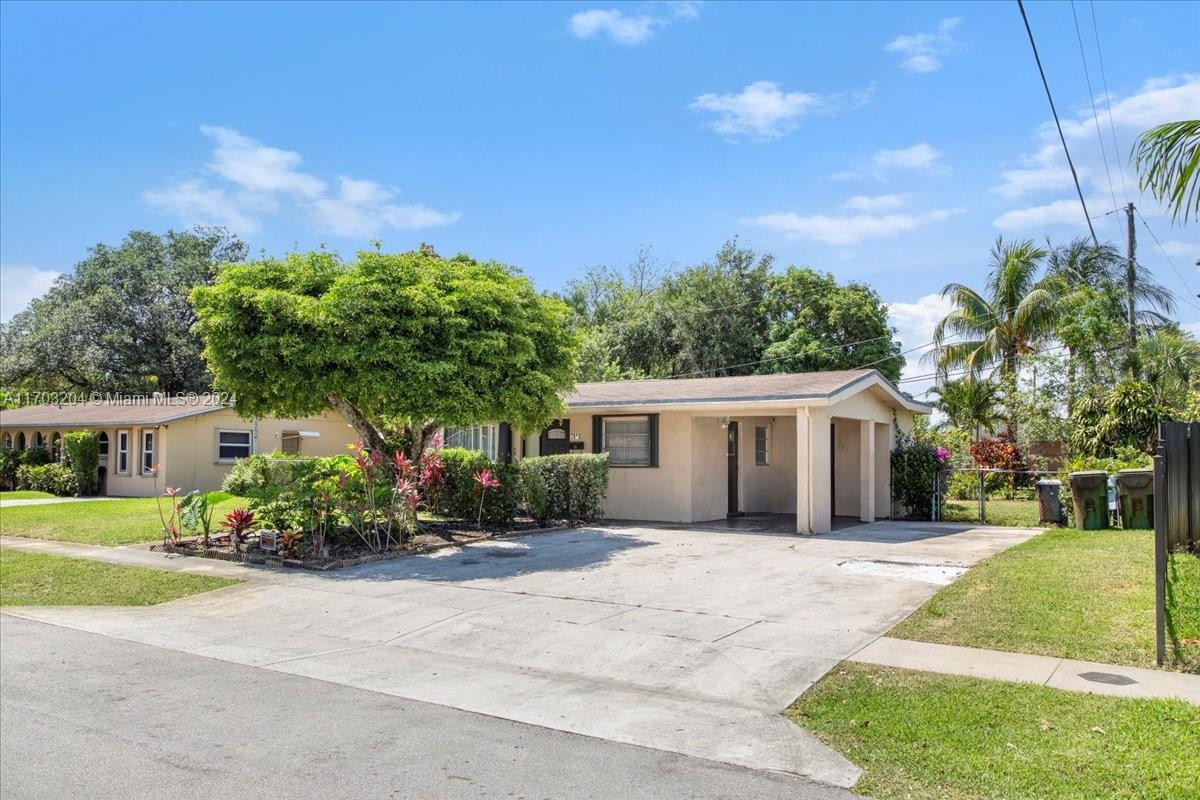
[1191, 293]
[1095, 114]
[1108, 102]
[1054, 111]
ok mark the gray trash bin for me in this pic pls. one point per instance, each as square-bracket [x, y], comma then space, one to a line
[1050, 509]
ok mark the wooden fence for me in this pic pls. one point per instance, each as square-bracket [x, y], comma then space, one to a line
[1176, 509]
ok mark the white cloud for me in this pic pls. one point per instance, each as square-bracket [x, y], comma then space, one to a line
[22, 283]
[761, 110]
[1158, 100]
[620, 27]
[879, 202]
[364, 208]
[849, 228]
[258, 179]
[1182, 249]
[258, 168]
[1059, 212]
[629, 29]
[923, 52]
[914, 323]
[920, 156]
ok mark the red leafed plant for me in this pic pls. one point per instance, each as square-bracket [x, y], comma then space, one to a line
[486, 481]
[238, 523]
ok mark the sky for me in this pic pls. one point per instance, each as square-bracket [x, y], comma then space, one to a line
[887, 143]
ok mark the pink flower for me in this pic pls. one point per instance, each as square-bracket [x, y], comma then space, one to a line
[404, 467]
[486, 480]
[173, 491]
[942, 454]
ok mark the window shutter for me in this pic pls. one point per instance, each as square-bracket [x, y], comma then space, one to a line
[597, 433]
[504, 446]
[654, 440]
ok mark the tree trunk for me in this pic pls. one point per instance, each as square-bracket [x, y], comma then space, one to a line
[371, 436]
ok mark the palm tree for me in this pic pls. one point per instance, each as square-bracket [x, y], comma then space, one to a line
[1171, 364]
[998, 328]
[1167, 159]
[969, 404]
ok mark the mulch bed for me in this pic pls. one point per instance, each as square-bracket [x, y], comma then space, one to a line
[429, 537]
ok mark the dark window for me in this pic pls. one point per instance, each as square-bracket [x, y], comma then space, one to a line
[102, 445]
[232, 445]
[627, 440]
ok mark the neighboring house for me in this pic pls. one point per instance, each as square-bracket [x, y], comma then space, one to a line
[193, 441]
[812, 444]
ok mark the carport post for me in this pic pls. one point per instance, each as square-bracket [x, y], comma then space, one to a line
[803, 524]
[866, 470]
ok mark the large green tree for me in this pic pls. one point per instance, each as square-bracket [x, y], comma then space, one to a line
[121, 321]
[397, 343]
[817, 324]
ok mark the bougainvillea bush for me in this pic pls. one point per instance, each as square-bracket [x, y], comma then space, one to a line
[915, 466]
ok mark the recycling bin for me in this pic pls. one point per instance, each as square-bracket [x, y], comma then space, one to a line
[1089, 496]
[1135, 497]
[1049, 505]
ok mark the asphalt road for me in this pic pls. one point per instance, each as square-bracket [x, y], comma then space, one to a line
[90, 716]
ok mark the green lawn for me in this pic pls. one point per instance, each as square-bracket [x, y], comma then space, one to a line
[921, 736]
[106, 522]
[25, 494]
[38, 579]
[1005, 513]
[1077, 594]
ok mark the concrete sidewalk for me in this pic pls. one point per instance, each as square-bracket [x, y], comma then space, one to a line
[1059, 673]
[139, 556]
[46, 501]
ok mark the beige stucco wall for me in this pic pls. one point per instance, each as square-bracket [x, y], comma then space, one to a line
[186, 448]
[769, 489]
[710, 470]
[846, 467]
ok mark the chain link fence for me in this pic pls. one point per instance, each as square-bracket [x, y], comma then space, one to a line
[996, 496]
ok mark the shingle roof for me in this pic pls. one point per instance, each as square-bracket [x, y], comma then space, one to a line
[135, 411]
[785, 386]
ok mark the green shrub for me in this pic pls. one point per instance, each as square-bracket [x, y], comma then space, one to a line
[266, 476]
[57, 479]
[36, 456]
[914, 466]
[9, 461]
[83, 457]
[570, 487]
[458, 497]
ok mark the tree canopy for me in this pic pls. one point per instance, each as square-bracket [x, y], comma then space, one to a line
[395, 342]
[121, 321]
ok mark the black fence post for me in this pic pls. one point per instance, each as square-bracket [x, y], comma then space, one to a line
[1160, 546]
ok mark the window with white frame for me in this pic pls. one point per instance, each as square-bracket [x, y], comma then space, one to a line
[232, 445]
[147, 462]
[122, 452]
[102, 446]
[762, 445]
[628, 441]
[474, 437]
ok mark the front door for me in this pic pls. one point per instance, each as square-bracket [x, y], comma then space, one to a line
[732, 456]
[556, 438]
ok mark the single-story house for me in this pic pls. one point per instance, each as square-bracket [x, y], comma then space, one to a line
[812, 444]
[194, 440]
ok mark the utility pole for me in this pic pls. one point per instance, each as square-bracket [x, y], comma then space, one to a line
[1130, 277]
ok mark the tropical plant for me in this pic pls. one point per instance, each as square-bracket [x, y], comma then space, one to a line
[1167, 158]
[83, 457]
[486, 481]
[1009, 321]
[970, 404]
[1125, 417]
[1170, 363]
[238, 524]
[196, 511]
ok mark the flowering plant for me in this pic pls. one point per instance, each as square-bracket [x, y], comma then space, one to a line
[486, 481]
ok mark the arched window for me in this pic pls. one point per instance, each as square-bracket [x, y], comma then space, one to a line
[8, 441]
[56, 446]
[39, 439]
[102, 443]
[21, 440]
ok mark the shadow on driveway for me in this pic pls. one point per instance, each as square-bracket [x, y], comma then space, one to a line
[565, 551]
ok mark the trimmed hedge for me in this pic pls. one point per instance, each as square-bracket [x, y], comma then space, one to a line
[458, 496]
[570, 487]
[83, 457]
[57, 479]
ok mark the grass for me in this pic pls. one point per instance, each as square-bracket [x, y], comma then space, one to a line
[921, 736]
[1075, 594]
[25, 494]
[105, 522]
[1005, 513]
[38, 579]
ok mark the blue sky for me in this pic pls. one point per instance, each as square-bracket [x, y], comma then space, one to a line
[887, 142]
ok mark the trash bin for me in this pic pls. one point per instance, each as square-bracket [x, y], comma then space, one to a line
[1089, 495]
[1049, 505]
[1135, 497]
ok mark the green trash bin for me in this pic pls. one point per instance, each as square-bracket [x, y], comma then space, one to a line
[1089, 496]
[1135, 497]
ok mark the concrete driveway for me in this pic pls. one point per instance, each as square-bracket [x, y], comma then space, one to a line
[690, 640]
